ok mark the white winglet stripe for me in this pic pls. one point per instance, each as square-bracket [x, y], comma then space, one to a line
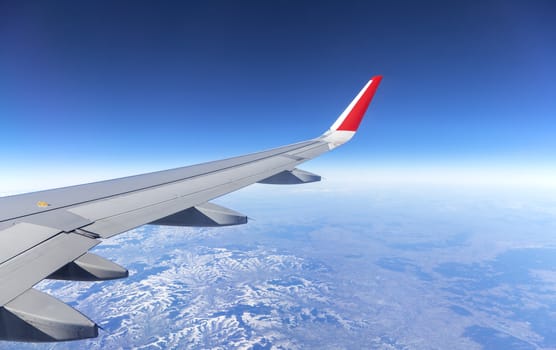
[345, 113]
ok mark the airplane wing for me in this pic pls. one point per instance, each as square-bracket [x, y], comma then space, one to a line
[47, 234]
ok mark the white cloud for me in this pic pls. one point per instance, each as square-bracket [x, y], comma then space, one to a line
[14, 181]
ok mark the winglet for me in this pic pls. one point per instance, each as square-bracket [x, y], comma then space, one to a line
[348, 122]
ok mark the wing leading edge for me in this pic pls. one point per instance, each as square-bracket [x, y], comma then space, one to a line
[47, 234]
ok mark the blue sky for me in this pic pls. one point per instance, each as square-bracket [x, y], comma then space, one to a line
[101, 88]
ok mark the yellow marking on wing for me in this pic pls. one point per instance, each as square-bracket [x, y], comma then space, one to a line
[42, 204]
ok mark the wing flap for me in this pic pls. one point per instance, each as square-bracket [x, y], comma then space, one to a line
[20, 237]
[26, 269]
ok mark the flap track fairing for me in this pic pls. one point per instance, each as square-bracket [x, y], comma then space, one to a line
[90, 267]
[203, 215]
[37, 317]
[293, 177]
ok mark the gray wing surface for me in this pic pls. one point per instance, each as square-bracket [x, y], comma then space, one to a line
[48, 234]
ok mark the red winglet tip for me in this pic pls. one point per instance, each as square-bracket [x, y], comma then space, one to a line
[376, 79]
[353, 119]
